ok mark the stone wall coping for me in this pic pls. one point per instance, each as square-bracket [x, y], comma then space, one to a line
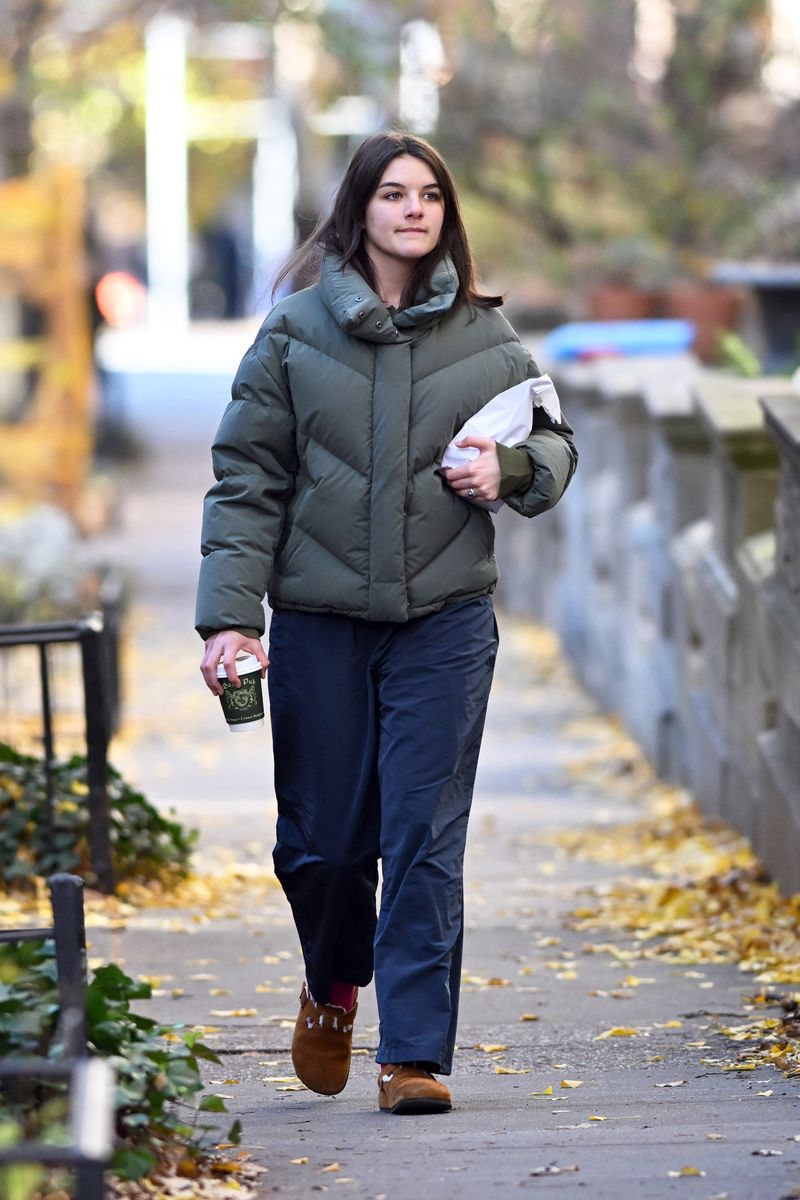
[669, 392]
[578, 376]
[660, 381]
[783, 420]
[638, 375]
[729, 406]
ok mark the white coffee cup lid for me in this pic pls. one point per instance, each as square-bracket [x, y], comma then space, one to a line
[245, 663]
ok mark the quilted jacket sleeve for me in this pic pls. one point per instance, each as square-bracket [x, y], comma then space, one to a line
[255, 462]
[553, 456]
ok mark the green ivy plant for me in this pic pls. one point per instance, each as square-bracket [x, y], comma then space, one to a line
[145, 844]
[159, 1103]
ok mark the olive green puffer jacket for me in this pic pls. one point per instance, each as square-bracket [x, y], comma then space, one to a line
[327, 496]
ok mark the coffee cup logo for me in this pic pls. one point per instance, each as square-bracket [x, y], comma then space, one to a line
[243, 697]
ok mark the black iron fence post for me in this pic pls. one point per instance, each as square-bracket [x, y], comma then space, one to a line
[47, 731]
[98, 733]
[66, 893]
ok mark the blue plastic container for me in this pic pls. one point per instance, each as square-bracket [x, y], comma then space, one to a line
[586, 339]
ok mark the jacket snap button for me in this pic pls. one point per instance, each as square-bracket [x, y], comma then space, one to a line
[378, 324]
[361, 316]
[359, 299]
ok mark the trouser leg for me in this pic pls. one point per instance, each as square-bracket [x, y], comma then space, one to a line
[434, 683]
[325, 733]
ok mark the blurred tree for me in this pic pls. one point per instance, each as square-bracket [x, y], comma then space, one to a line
[73, 91]
[612, 119]
[73, 73]
[21, 22]
[571, 125]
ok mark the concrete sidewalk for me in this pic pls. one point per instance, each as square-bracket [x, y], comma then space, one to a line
[521, 961]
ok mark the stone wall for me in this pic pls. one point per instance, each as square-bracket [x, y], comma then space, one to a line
[671, 571]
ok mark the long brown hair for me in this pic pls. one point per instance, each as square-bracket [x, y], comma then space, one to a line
[342, 231]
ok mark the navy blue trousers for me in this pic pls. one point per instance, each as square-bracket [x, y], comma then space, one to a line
[376, 731]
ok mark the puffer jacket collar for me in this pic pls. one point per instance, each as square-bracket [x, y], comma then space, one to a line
[348, 296]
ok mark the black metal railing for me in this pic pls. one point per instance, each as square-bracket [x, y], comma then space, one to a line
[68, 931]
[97, 636]
[91, 1081]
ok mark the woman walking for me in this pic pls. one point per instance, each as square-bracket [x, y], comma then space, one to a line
[378, 566]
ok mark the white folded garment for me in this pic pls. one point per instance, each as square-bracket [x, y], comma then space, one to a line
[506, 418]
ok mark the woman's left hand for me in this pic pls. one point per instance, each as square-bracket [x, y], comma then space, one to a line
[480, 478]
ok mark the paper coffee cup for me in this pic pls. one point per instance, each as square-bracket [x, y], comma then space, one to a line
[243, 706]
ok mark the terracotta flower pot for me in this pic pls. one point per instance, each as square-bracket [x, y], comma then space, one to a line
[712, 309]
[620, 302]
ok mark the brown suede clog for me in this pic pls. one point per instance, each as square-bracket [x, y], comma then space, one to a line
[322, 1045]
[410, 1089]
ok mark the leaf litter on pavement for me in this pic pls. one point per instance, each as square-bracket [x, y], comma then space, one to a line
[704, 899]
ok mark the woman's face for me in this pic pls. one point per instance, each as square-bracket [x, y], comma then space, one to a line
[403, 220]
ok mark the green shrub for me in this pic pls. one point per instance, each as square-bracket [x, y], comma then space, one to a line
[145, 844]
[159, 1106]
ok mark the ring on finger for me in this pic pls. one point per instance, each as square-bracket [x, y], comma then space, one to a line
[470, 492]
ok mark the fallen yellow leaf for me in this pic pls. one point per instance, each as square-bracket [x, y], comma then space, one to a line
[234, 1012]
[597, 1118]
[334, 1166]
[298, 1162]
[685, 1171]
[571, 1083]
[512, 1070]
[548, 1091]
[490, 1047]
[529, 1017]
[617, 1031]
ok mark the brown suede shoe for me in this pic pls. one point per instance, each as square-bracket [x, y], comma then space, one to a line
[410, 1089]
[322, 1045]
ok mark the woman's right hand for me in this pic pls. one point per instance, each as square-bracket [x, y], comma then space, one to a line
[225, 645]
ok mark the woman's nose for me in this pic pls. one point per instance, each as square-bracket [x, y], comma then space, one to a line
[413, 205]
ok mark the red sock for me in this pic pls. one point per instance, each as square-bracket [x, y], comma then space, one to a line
[342, 994]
